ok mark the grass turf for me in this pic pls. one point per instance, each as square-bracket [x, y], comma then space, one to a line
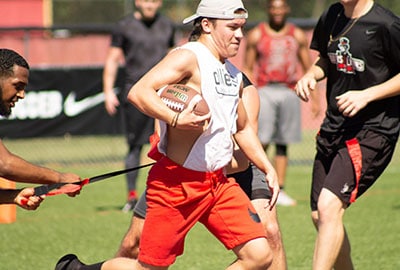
[92, 225]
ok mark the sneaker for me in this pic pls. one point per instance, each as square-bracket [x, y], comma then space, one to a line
[129, 206]
[69, 262]
[285, 200]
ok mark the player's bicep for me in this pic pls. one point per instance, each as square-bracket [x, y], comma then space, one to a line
[251, 102]
[177, 66]
[242, 119]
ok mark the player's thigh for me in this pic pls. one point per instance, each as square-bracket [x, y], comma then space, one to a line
[266, 215]
[254, 253]
[377, 152]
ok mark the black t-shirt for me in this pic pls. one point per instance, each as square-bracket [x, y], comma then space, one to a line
[144, 44]
[361, 54]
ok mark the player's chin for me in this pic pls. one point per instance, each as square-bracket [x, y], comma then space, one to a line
[233, 50]
[231, 53]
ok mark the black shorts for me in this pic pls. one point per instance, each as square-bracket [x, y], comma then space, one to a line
[334, 168]
[251, 180]
[253, 183]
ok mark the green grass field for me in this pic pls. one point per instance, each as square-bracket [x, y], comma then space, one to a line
[91, 225]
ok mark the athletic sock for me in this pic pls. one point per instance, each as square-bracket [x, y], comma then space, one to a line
[132, 195]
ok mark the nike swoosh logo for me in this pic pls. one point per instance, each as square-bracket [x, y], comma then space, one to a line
[370, 32]
[72, 107]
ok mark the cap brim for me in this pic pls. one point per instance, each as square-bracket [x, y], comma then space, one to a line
[190, 19]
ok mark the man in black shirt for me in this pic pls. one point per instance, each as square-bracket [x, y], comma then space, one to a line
[358, 45]
[139, 40]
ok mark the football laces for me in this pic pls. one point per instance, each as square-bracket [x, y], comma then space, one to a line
[173, 104]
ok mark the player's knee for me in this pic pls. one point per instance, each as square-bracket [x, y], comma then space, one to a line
[330, 207]
[272, 228]
[315, 218]
[273, 235]
[129, 248]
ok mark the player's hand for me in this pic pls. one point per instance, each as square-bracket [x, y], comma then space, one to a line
[111, 103]
[351, 102]
[304, 87]
[189, 120]
[71, 189]
[273, 185]
[26, 199]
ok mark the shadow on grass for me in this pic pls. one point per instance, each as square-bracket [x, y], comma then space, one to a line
[106, 208]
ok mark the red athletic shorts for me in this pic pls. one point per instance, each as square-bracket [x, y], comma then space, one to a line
[177, 198]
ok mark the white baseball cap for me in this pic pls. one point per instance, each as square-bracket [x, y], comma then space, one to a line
[219, 9]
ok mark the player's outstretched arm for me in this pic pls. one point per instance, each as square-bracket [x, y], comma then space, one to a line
[308, 82]
[249, 143]
[14, 168]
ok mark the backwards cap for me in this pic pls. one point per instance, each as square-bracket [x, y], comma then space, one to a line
[219, 9]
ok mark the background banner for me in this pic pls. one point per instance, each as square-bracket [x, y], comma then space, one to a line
[61, 101]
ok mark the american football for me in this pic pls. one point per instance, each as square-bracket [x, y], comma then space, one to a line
[178, 96]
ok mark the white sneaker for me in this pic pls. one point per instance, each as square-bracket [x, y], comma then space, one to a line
[285, 200]
[129, 206]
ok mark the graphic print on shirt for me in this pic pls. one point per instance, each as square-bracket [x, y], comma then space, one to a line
[224, 83]
[344, 60]
[282, 56]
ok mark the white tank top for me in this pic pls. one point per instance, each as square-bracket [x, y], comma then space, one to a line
[220, 85]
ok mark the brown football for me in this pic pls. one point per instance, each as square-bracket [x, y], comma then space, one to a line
[178, 96]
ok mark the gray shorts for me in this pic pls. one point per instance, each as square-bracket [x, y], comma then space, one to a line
[141, 206]
[253, 183]
[279, 120]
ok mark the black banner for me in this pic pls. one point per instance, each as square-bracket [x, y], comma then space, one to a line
[60, 101]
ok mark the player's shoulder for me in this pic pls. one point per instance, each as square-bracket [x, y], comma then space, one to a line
[183, 57]
[254, 34]
[331, 13]
[383, 14]
[126, 21]
[298, 33]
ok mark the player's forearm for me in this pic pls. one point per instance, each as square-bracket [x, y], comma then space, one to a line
[252, 148]
[17, 169]
[384, 90]
[315, 72]
[109, 77]
[149, 103]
